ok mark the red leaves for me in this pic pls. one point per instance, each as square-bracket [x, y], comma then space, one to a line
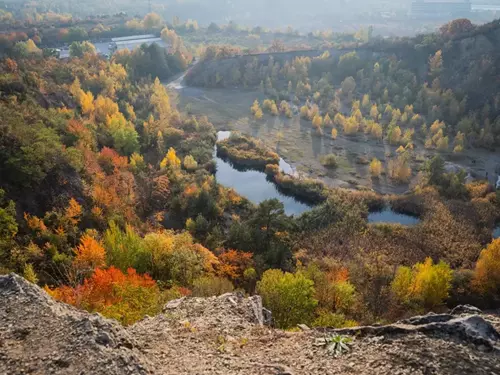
[105, 287]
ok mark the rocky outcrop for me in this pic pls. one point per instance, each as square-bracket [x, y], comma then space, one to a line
[42, 336]
[470, 329]
[231, 309]
[229, 335]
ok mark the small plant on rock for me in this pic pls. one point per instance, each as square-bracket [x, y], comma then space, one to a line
[335, 345]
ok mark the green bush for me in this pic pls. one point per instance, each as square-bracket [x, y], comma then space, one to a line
[290, 297]
[208, 286]
[328, 319]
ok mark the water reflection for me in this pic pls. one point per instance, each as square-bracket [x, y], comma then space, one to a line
[253, 184]
[390, 217]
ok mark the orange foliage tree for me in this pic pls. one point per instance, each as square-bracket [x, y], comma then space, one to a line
[487, 272]
[90, 254]
[232, 264]
[126, 297]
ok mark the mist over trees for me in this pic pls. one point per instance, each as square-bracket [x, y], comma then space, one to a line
[390, 16]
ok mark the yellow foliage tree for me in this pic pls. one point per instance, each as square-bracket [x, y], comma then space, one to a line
[86, 100]
[487, 271]
[317, 122]
[274, 109]
[351, 126]
[75, 88]
[328, 121]
[334, 133]
[304, 112]
[255, 107]
[171, 160]
[376, 131]
[375, 168]
[161, 102]
[259, 114]
[424, 285]
[31, 47]
[437, 126]
[339, 120]
[394, 135]
[399, 168]
[374, 112]
[104, 108]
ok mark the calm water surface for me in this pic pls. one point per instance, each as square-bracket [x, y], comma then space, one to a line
[390, 217]
[254, 185]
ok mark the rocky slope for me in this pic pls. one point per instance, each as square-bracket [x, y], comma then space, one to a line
[228, 335]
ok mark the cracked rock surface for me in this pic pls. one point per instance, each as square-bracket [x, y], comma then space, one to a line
[228, 335]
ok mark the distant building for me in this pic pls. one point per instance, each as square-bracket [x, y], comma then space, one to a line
[133, 42]
[441, 8]
[128, 42]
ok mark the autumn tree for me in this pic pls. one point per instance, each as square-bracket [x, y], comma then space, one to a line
[274, 109]
[255, 107]
[190, 163]
[126, 297]
[161, 103]
[171, 160]
[233, 264]
[436, 64]
[374, 112]
[317, 122]
[487, 271]
[425, 285]
[152, 21]
[328, 121]
[456, 27]
[258, 114]
[375, 168]
[334, 133]
[399, 167]
[394, 135]
[90, 254]
[86, 101]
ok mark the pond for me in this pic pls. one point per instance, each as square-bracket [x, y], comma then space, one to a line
[254, 185]
[388, 216]
[496, 232]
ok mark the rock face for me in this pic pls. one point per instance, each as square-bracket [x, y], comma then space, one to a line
[41, 336]
[231, 309]
[470, 329]
[229, 335]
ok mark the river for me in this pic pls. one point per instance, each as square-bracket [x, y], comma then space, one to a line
[254, 185]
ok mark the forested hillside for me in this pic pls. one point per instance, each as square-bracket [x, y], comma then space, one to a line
[404, 85]
[108, 195]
